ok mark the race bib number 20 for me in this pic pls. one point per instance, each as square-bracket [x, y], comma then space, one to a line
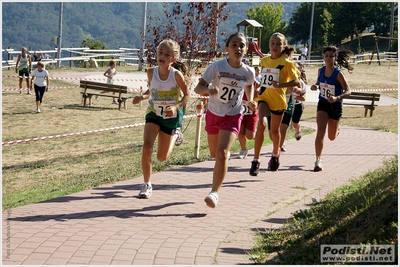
[229, 88]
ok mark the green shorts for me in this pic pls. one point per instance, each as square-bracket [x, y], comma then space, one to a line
[167, 126]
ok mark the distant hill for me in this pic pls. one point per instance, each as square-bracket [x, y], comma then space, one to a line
[117, 24]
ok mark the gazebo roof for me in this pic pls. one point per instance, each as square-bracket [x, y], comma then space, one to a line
[249, 22]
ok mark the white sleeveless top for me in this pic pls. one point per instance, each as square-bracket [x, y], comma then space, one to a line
[110, 78]
[23, 62]
[163, 93]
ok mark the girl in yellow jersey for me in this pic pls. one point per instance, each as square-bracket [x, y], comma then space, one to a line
[278, 73]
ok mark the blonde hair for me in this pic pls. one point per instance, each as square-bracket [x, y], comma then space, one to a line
[175, 48]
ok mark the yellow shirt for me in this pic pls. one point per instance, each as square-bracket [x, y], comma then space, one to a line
[281, 70]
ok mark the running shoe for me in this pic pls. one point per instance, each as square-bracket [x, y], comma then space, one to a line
[146, 191]
[255, 168]
[298, 136]
[178, 137]
[212, 199]
[318, 165]
[274, 163]
[29, 92]
[283, 148]
[20, 91]
[38, 110]
[242, 154]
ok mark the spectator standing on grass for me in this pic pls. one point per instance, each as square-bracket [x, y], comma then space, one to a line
[225, 81]
[41, 84]
[110, 73]
[333, 87]
[167, 93]
[303, 54]
[23, 67]
[278, 73]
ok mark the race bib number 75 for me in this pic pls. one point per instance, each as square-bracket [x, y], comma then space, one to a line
[160, 107]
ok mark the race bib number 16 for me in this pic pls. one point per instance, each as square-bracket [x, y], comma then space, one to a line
[326, 90]
[269, 75]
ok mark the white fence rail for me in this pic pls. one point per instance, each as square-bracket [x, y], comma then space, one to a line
[127, 56]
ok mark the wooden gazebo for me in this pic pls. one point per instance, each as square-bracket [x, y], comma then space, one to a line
[249, 22]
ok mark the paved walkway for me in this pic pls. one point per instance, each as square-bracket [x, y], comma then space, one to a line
[109, 225]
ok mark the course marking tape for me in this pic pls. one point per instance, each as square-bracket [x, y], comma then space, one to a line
[35, 139]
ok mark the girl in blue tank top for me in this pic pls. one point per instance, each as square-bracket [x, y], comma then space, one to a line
[333, 87]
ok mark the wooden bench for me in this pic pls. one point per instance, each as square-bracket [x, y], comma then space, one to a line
[91, 89]
[368, 100]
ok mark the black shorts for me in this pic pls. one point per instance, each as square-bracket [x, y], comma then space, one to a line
[163, 128]
[285, 119]
[334, 110]
[297, 112]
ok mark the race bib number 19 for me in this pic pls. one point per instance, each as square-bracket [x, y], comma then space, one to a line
[160, 107]
[269, 75]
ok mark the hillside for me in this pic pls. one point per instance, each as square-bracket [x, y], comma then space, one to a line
[118, 24]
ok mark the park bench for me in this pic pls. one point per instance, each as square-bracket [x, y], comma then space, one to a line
[368, 100]
[91, 89]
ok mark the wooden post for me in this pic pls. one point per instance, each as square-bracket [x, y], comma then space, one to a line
[141, 93]
[70, 55]
[198, 129]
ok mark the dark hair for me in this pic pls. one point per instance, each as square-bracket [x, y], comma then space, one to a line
[112, 62]
[342, 56]
[238, 34]
[289, 50]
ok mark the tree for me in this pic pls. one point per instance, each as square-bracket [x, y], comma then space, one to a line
[270, 16]
[193, 25]
[299, 24]
[327, 25]
[93, 44]
[379, 16]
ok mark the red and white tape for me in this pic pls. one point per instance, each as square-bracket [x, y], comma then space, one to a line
[137, 90]
[25, 141]
[79, 79]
